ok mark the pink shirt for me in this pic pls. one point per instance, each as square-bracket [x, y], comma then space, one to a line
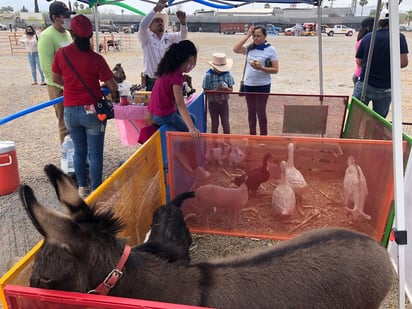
[358, 69]
[162, 100]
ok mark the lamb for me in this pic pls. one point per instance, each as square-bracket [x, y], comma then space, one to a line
[169, 227]
[323, 268]
[356, 190]
[230, 199]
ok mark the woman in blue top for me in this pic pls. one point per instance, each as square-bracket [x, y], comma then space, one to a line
[261, 62]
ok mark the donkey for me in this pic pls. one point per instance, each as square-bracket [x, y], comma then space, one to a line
[169, 227]
[324, 268]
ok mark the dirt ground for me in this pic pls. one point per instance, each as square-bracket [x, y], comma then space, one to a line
[36, 138]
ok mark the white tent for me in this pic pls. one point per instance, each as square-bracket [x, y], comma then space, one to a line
[398, 252]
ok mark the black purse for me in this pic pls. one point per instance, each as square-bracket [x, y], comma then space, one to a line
[104, 108]
[242, 82]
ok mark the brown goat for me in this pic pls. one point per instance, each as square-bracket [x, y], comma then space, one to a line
[325, 268]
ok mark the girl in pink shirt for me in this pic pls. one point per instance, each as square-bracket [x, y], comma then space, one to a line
[367, 26]
[167, 105]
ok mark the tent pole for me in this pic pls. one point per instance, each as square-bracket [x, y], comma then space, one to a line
[397, 141]
[370, 53]
[96, 26]
[319, 32]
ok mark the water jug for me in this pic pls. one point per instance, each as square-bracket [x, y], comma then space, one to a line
[66, 163]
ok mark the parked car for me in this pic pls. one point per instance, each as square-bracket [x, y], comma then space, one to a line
[340, 29]
[108, 28]
[290, 31]
[134, 28]
[405, 28]
[3, 27]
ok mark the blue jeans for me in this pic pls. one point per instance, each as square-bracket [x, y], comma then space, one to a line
[174, 120]
[87, 133]
[216, 110]
[34, 62]
[256, 107]
[381, 98]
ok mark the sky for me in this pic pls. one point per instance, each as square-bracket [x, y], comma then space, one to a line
[188, 7]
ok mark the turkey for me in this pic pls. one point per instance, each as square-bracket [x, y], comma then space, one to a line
[295, 177]
[356, 190]
[283, 197]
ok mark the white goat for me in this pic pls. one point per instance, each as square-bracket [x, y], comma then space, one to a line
[230, 199]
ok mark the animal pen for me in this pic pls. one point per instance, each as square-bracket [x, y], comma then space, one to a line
[330, 130]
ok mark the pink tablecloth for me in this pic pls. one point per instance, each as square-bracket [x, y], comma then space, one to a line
[129, 120]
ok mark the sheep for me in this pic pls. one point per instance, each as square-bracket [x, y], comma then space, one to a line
[355, 190]
[168, 226]
[230, 199]
[324, 268]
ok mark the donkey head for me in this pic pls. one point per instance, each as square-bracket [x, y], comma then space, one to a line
[74, 255]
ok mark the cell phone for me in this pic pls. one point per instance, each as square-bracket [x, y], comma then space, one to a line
[268, 63]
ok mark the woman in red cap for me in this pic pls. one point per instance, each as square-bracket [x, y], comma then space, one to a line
[86, 130]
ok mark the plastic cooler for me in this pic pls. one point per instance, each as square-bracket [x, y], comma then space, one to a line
[9, 171]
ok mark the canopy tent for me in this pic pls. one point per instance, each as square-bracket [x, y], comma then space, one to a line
[393, 6]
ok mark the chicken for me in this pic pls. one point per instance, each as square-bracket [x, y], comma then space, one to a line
[295, 177]
[257, 176]
[356, 190]
[283, 197]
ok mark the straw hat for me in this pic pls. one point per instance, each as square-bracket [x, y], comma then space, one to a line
[220, 62]
[163, 16]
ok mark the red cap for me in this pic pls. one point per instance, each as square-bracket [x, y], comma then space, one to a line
[81, 26]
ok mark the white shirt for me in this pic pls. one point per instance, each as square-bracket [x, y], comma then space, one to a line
[255, 77]
[154, 48]
[30, 43]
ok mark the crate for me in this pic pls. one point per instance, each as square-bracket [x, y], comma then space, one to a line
[142, 97]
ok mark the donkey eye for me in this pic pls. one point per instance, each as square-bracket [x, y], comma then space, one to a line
[46, 280]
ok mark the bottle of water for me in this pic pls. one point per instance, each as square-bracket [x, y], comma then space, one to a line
[66, 163]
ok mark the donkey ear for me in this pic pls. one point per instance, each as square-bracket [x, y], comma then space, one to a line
[67, 193]
[50, 223]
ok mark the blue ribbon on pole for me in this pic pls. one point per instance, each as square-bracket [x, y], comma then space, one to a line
[37, 107]
[214, 5]
[31, 109]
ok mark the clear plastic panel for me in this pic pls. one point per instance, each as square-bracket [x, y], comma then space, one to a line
[322, 162]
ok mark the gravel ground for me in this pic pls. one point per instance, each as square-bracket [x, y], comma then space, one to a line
[37, 143]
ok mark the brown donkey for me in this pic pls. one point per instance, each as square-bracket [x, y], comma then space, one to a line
[326, 268]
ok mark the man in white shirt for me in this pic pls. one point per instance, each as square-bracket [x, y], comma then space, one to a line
[155, 39]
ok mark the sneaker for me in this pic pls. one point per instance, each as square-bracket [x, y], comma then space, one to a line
[34, 83]
[43, 84]
[200, 172]
[83, 192]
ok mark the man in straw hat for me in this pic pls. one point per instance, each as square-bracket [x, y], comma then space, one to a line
[50, 40]
[155, 39]
[219, 78]
[378, 89]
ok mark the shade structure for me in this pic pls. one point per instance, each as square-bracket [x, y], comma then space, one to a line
[396, 99]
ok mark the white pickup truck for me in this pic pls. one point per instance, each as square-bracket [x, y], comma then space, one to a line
[339, 29]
